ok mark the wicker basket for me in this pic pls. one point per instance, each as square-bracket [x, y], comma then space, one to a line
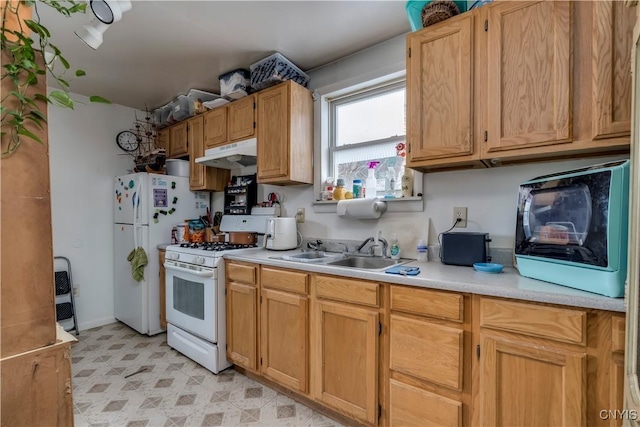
[438, 10]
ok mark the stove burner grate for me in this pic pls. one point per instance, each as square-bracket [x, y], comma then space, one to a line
[215, 246]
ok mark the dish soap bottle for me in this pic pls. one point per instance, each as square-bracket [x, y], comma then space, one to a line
[371, 183]
[394, 249]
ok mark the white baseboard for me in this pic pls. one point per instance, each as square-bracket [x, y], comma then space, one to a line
[83, 326]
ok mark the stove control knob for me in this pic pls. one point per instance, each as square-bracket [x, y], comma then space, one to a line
[174, 256]
[198, 260]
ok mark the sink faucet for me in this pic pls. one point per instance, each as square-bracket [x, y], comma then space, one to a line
[316, 246]
[385, 245]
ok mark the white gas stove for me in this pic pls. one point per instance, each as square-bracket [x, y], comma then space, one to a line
[195, 300]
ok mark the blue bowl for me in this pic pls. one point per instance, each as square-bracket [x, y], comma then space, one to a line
[488, 267]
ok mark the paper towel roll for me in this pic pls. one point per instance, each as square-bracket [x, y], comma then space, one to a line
[361, 208]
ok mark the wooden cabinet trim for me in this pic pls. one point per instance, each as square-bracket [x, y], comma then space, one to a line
[163, 296]
[427, 351]
[554, 323]
[285, 280]
[427, 302]
[347, 290]
[617, 333]
[244, 273]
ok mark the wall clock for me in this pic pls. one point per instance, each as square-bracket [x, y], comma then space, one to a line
[127, 140]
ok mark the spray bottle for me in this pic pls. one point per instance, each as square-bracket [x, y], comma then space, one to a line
[371, 184]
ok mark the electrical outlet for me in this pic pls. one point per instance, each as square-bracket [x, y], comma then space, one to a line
[461, 214]
[300, 215]
[76, 290]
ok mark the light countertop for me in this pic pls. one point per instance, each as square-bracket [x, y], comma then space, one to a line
[435, 275]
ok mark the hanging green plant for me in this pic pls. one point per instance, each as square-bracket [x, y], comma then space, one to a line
[25, 62]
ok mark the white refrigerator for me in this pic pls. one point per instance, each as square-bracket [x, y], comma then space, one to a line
[146, 207]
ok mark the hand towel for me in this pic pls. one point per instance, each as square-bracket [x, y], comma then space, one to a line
[138, 259]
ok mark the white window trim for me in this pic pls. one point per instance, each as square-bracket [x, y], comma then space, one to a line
[322, 98]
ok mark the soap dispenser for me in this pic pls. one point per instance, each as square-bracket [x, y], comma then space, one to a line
[371, 183]
[394, 249]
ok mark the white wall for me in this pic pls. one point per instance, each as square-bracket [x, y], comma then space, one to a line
[84, 160]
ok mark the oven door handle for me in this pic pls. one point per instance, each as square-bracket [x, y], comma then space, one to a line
[201, 273]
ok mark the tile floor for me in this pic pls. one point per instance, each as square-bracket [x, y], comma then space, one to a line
[172, 390]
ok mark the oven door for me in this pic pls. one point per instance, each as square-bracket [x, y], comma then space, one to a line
[191, 300]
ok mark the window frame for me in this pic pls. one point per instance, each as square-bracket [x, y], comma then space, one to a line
[359, 94]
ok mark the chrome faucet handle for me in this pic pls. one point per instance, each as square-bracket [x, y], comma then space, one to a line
[346, 248]
[315, 245]
[372, 250]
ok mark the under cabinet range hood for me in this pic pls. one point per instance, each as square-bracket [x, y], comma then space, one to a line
[231, 156]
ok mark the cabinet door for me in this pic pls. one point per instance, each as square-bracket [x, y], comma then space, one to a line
[162, 139]
[242, 321]
[345, 340]
[284, 330]
[163, 296]
[529, 75]
[196, 149]
[523, 384]
[178, 140]
[242, 118]
[611, 60]
[439, 91]
[215, 127]
[273, 132]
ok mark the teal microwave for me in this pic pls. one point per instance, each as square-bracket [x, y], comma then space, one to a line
[572, 228]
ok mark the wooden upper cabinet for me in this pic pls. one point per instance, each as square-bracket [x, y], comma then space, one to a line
[162, 139]
[285, 135]
[529, 75]
[440, 91]
[196, 149]
[242, 118]
[611, 61]
[215, 127]
[178, 146]
[202, 177]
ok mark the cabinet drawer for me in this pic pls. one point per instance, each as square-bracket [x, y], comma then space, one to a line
[427, 351]
[285, 280]
[558, 324]
[241, 273]
[411, 406]
[617, 333]
[443, 305]
[339, 289]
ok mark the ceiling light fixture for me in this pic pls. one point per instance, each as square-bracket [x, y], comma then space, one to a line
[107, 12]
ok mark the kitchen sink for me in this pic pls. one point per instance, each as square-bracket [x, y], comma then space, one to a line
[314, 256]
[367, 263]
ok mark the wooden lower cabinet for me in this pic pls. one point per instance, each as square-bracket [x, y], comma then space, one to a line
[526, 384]
[345, 354]
[284, 354]
[242, 321]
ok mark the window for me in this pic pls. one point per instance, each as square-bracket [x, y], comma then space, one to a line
[368, 126]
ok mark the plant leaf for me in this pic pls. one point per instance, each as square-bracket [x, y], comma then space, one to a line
[100, 99]
[64, 61]
[39, 115]
[25, 132]
[37, 122]
[80, 73]
[42, 97]
[61, 98]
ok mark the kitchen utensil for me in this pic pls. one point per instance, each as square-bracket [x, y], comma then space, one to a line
[242, 238]
[488, 267]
